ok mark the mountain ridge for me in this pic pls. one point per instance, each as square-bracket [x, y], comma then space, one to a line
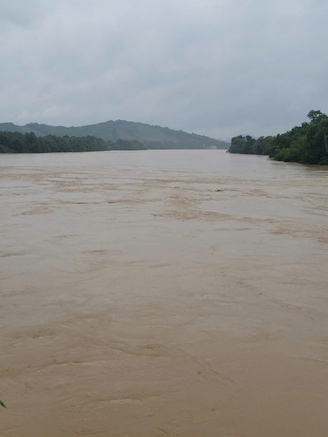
[152, 136]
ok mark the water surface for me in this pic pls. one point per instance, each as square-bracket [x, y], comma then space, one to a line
[152, 293]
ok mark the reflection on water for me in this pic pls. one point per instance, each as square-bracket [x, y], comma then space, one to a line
[179, 293]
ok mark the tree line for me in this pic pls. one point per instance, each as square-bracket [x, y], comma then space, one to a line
[306, 144]
[153, 137]
[16, 142]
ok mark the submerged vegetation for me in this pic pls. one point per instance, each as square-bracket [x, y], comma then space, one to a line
[15, 142]
[306, 144]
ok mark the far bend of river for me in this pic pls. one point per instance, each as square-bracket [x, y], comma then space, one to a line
[163, 293]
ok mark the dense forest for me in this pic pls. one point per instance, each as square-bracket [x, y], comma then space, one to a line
[153, 137]
[306, 144]
[15, 142]
[249, 145]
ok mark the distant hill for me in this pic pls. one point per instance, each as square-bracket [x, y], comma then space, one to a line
[153, 137]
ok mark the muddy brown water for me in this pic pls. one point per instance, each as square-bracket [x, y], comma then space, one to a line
[163, 293]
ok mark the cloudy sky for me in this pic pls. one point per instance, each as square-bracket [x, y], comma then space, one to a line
[215, 67]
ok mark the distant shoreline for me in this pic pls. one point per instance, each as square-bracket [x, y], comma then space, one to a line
[151, 137]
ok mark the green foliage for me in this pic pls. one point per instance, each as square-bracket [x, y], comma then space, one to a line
[2, 404]
[153, 137]
[304, 144]
[249, 145]
[15, 142]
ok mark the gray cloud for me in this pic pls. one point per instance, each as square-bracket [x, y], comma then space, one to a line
[217, 67]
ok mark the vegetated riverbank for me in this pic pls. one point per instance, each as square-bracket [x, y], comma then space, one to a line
[16, 142]
[152, 137]
[306, 144]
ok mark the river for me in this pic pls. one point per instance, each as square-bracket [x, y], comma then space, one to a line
[163, 293]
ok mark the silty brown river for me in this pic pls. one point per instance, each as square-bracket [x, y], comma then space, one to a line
[163, 293]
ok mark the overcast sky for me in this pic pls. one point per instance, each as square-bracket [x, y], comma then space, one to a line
[215, 67]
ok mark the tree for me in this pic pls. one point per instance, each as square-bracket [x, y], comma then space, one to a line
[304, 144]
[16, 142]
[249, 145]
[315, 115]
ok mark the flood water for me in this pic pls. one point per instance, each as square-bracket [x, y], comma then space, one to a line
[163, 293]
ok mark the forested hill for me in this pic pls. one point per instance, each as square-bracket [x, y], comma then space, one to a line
[153, 137]
[306, 144]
